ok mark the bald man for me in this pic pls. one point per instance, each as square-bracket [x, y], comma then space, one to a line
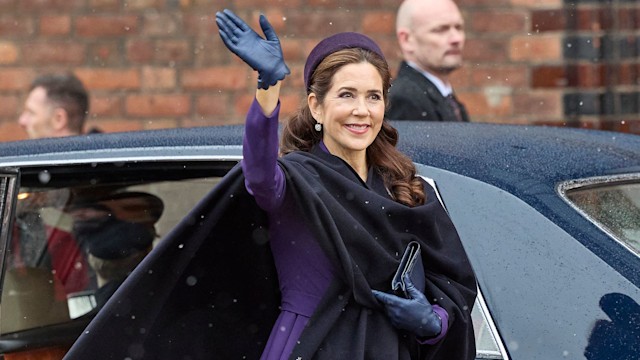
[56, 106]
[431, 37]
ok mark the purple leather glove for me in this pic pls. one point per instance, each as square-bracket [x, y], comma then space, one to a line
[263, 55]
[415, 315]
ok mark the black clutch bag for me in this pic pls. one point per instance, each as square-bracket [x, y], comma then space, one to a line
[411, 263]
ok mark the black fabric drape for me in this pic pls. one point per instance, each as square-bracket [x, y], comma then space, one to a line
[207, 291]
[364, 235]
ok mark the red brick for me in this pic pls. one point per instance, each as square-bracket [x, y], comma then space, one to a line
[591, 19]
[539, 103]
[586, 75]
[16, 79]
[105, 106]
[158, 78]
[199, 24]
[154, 24]
[496, 21]
[45, 6]
[486, 104]
[276, 17]
[160, 124]
[106, 25]
[628, 18]
[52, 25]
[549, 77]
[508, 75]
[228, 78]
[378, 22]
[174, 42]
[628, 74]
[265, 4]
[105, 53]
[485, 50]
[104, 5]
[534, 4]
[140, 50]
[109, 79]
[173, 51]
[210, 51]
[240, 106]
[213, 106]
[535, 48]
[157, 105]
[9, 106]
[462, 4]
[8, 52]
[53, 52]
[144, 4]
[6, 5]
[549, 20]
[323, 3]
[16, 25]
[293, 51]
[11, 131]
[289, 104]
[319, 24]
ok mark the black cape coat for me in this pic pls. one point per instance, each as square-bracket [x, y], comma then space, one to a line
[209, 289]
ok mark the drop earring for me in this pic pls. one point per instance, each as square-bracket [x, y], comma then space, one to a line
[318, 127]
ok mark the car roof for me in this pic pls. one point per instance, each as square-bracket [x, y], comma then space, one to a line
[499, 153]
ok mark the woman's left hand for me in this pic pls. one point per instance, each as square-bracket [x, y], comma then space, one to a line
[415, 314]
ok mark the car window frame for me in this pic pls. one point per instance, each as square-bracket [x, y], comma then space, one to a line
[597, 181]
[8, 198]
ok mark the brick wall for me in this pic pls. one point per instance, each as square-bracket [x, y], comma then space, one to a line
[160, 63]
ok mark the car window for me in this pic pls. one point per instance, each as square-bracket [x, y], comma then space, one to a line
[613, 203]
[79, 230]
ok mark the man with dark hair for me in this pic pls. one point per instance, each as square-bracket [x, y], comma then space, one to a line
[56, 106]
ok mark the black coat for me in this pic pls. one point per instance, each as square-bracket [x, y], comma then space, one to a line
[413, 97]
[194, 296]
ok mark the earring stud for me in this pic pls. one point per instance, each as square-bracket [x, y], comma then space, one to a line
[318, 127]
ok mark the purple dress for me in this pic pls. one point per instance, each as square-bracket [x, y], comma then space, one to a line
[304, 271]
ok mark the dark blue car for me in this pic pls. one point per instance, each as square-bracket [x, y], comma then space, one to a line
[550, 219]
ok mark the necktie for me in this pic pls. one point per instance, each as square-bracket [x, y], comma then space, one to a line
[453, 103]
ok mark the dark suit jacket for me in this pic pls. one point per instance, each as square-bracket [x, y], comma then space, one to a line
[413, 97]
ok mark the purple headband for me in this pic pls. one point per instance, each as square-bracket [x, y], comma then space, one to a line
[334, 43]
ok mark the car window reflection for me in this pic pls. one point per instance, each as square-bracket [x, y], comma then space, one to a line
[612, 205]
[116, 232]
[76, 240]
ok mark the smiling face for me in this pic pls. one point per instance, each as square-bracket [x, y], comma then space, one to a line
[352, 111]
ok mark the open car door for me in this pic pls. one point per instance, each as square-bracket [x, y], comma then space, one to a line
[8, 189]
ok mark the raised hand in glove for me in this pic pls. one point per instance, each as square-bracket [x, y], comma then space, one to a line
[263, 55]
[415, 315]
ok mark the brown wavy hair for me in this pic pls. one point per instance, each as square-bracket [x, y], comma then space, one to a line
[397, 170]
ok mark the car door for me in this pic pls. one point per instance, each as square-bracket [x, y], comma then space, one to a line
[71, 231]
[8, 188]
